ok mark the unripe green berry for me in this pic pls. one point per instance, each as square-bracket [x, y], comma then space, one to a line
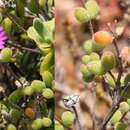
[50, 2]
[85, 59]
[67, 118]
[88, 46]
[94, 56]
[122, 80]
[92, 8]
[7, 24]
[37, 124]
[82, 15]
[16, 95]
[116, 117]
[110, 81]
[95, 67]
[3, 108]
[124, 107]
[108, 60]
[58, 126]
[28, 91]
[120, 126]
[96, 47]
[47, 78]
[48, 93]
[127, 79]
[46, 122]
[38, 86]
[87, 75]
[47, 62]
[11, 127]
[42, 3]
[15, 114]
[6, 55]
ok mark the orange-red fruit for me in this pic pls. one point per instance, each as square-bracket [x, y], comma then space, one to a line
[103, 38]
[29, 112]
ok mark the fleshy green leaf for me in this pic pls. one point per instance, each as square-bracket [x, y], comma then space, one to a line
[92, 8]
[82, 15]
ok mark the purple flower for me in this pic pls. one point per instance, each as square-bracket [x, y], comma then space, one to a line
[3, 37]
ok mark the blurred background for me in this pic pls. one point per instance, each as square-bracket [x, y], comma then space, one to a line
[70, 36]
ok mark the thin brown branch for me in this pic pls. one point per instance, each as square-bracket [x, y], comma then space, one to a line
[23, 48]
[113, 108]
[120, 66]
[91, 27]
[94, 106]
[123, 116]
[77, 117]
[108, 117]
[13, 21]
[111, 74]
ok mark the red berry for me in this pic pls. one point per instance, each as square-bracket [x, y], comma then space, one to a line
[29, 112]
[103, 38]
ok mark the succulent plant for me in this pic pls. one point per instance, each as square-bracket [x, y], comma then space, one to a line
[26, 59]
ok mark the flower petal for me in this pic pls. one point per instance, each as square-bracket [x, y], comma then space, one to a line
[1, 46]
[2, 42]
[2, 34]
[2, 38]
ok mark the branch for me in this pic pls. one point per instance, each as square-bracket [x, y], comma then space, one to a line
[94, 106]
[91, 27]
[113, 108]
[108, 117]
[77, 117]
[111, 74]
[120, 66]
[18, 25]
[23, 48]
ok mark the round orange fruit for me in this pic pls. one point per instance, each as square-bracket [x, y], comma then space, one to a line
[103, 38]
[29, 112]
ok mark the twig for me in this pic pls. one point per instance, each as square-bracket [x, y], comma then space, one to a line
[90, 22]
[94, 106]
[123, 116]
[108, 117]
[117, 99]
[111, 74]
[125, 89]
[120, 66]
[91, 27]
[113, 108]
[12, 72]
[77, 117]
[19, 26]
[23, 48]
[107, 87]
